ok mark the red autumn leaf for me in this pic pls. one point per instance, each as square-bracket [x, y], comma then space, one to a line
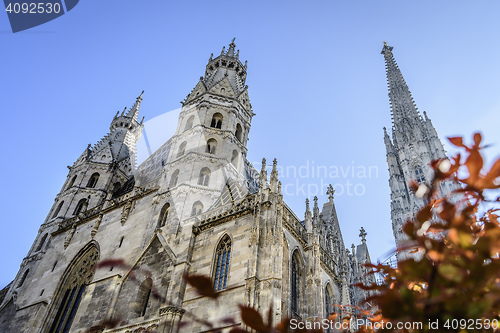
[493, 174]
[477, 139]
[474, 164]
[237, 330]
[457, 141]
[228, 321]
[253, 319]
[202, 284]
[413, 185]
[112, 263]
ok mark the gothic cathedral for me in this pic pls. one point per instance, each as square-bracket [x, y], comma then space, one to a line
[119, 237]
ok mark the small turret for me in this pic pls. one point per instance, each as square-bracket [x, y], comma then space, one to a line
[263, 175]
[274, 176]
[308, 217]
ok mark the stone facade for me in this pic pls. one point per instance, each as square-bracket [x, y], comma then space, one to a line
[196, 206]
[414, 145]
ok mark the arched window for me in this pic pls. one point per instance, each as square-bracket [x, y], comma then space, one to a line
[72, 288]
[163, 215]
[329, 308]
[143, 296]
[204, 177]
[72, 182]
[197, 208]
[295, 282]
[189, 123]
[234, 158]
[211, 146]
[216, 121]
[42, 242]
[23, 278]
[182, 149]
[174, 178]
[419, 174]
[93, 180]
[80, 207]
[116, 187]
[221, 265]
[58, 209]
[239, 132]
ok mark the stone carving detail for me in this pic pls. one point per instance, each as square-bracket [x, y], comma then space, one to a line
[171, 310]
[96, 226]
[126, 211]
[32, 258]
[68, 238]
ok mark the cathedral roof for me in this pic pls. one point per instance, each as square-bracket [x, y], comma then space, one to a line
[231, 194]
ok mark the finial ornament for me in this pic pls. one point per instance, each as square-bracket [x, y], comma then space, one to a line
[330, 192]
[386, 49]
[232, 41]
[362, 234]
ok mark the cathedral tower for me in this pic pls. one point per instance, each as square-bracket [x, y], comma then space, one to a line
[413, 146]
[211, 136]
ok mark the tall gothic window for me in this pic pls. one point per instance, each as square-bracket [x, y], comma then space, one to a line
[329, 308]
[71, 290]
[211, 146]
[163, 215]
[174, 178]
[216, 121]
[80, 207]
[197, 208]
[72, 182]
[182, 149]
[23, 278]
[204, 177]
[221, 265]
[58, 209]
[295, 282]
[93, 180]
[239, 132]
[419, 174]
[143, 296]
[189, 123]
[42, 242]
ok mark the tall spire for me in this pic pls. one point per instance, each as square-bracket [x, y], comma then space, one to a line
[134, 110]
[404, 111]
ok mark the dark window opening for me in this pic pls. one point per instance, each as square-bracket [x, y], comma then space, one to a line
[216, 121]
[204, 177]
[93, 180]
[163, 215]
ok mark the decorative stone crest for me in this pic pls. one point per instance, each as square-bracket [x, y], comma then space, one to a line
[68, 238]
[126, 211]
[96, 226]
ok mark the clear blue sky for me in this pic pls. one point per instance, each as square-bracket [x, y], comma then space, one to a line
[316, 82]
